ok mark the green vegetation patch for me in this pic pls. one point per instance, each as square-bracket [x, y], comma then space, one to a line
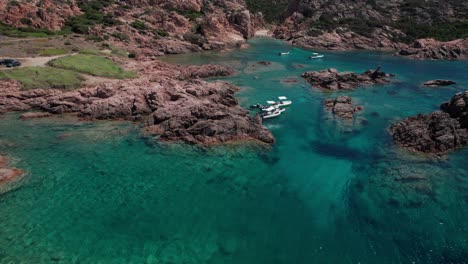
[52, 52]
[273, 11]
[44, 78]
[93, 65]
[92, 15]
[25, 32]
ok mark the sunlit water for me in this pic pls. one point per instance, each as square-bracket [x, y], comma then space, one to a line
[98, 192]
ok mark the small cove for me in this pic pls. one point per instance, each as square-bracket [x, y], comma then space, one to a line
[98, 192]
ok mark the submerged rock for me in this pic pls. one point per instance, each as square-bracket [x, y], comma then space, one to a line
[9, 174]
[3, 161]
[437, 132]
[33, 115]
[439, 83]
[331, 79]
[342, 107]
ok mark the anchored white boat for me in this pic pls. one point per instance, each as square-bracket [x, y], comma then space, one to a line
[318, 56]
[273, 113]
[283, 101]
[283, 53]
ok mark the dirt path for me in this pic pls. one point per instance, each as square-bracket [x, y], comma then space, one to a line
[38, 61]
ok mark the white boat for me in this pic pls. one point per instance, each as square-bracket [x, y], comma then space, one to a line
[283, 101]
[316, 56]
[270, 108]
[272, 114]
[283, 53]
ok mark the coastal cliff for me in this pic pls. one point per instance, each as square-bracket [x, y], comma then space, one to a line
[143, 27]
[379, 25]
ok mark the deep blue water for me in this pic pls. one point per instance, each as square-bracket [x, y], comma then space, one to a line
[326, 192]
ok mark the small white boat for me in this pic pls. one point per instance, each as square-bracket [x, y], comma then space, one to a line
[270, 108]
[283, 101]
[283, 53]
[316, 56]
[272, 114]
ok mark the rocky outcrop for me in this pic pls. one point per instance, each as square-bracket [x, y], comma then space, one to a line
[439, 83]
[44, 14]
[438, 132]
[342, 107]
[172, 102]
[436, 50]
[331, 79]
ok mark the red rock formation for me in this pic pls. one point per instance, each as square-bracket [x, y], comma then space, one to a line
[171, 100]
[436, 50]
[47, 14]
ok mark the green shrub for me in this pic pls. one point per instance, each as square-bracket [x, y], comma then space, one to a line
[140, 25]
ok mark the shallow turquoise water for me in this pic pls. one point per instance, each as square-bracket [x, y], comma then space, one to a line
[98, 192]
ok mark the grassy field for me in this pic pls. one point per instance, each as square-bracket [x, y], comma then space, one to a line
[43, 77]
[52, 52]
[93, 65]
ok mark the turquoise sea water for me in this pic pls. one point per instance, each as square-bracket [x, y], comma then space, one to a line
[326, 192]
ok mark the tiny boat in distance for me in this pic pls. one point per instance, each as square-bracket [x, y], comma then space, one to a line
[273, 113]
[318, 56]
[283, 53]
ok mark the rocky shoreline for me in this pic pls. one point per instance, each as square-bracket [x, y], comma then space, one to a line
[438, 132]
[333, 80]
[172, 101]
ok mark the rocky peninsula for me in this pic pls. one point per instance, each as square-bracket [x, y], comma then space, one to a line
[333, 80]
[437, 132]
[172, 101]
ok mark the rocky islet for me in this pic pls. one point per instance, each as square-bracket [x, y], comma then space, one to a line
[333, 80]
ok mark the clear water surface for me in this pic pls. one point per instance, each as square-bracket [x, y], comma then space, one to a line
[326, 192]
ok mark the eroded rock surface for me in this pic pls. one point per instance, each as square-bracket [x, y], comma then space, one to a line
[171, 100]
[437, 132]
[333, 80]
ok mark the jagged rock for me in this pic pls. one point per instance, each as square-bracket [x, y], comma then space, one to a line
[47, 14]
[438, 132]
[331, 79]
[171, 100]
[439, 83]
[342, 107]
